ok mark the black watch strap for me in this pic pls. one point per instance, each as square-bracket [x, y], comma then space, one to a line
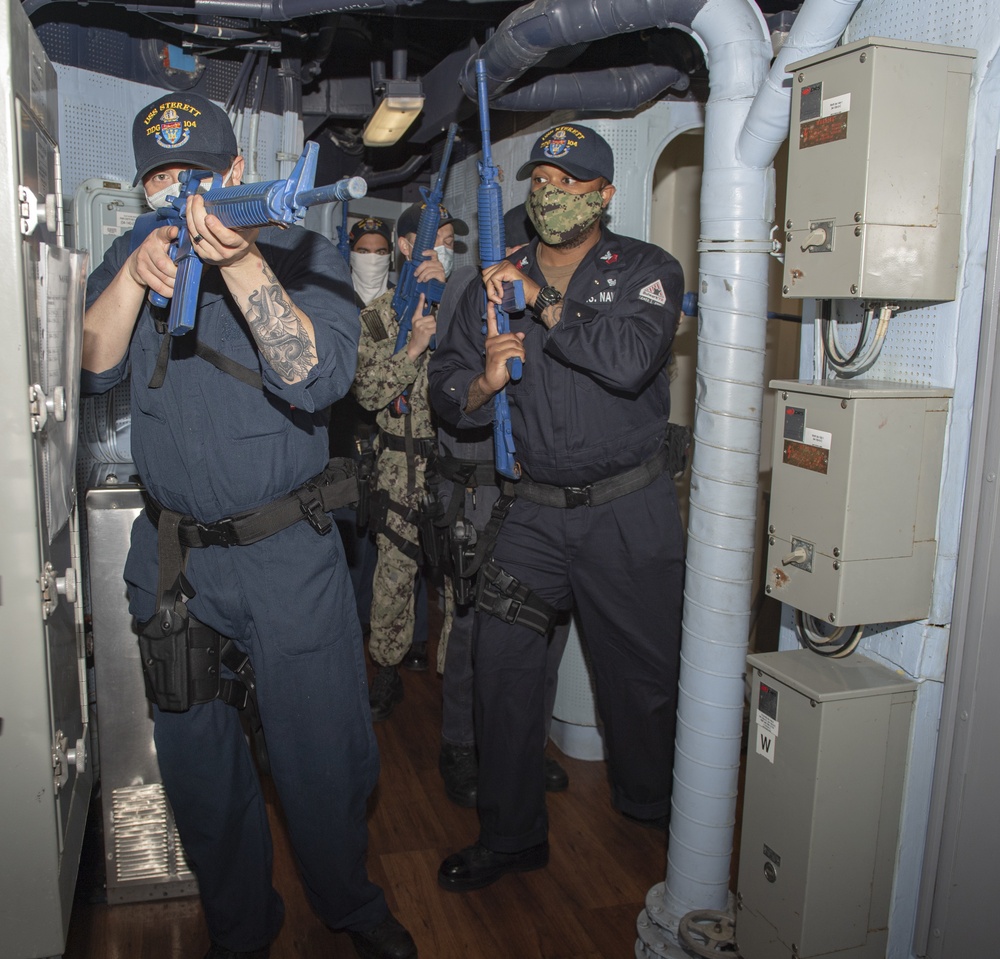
[547, 296]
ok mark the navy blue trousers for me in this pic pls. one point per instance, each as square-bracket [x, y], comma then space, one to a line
[622, 566]
[288, 602]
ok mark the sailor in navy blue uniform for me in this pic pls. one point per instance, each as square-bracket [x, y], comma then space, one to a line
[594, 521]
[210, 446]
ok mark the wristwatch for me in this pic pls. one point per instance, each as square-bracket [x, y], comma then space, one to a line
[547, 296]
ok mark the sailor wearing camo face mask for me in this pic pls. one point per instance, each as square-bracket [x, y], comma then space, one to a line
[592, 521]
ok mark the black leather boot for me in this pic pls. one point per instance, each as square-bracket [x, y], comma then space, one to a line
[386, 690]
[459, 770]
[388, 940]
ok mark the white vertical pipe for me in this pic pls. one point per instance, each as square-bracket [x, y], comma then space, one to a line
[746, 121]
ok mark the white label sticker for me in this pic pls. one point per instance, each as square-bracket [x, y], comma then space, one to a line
[765, 744]
[767, 724]
[818, 438]
[126, 221]
[834, 105]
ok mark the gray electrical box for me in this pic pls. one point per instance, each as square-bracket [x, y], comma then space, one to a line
[856, 470]
[824, 786]
[875, 171]
[105, 209]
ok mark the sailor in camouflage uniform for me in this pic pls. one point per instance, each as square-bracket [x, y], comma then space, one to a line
[406, 442]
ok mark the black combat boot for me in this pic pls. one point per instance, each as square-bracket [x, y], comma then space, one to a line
[416, 658]
[556, 778]
[459, 770]
[386, 690]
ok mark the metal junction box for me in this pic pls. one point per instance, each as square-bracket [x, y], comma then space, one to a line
[875, 171]
[824, 788]
[854, 495]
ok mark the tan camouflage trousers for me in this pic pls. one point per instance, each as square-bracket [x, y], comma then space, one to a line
[392, 611]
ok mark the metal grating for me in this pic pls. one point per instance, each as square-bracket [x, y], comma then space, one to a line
[146, 847]
[95, 115]
[954, 22]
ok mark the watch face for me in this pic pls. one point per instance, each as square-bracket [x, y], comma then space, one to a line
[547, 296]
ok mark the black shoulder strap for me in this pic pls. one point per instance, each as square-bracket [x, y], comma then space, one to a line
[219, 360]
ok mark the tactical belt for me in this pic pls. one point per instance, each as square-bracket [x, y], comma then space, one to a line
[336, 486]
[398, 444]
[467, 473]
[671, 456]
[500, 594]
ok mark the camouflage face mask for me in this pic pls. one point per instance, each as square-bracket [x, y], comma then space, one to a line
[561, 217]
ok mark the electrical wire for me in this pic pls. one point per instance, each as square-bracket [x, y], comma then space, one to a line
[865, 353]
[208, 34]
[808, 629]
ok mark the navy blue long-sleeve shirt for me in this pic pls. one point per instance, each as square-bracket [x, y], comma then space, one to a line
[206, 444]
[594, 397]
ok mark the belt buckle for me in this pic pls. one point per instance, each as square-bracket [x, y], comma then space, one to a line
[576, 496]
[222, 533]
[315, 515]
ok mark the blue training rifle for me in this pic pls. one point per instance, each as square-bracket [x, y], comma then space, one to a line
[408, 290]
[493, 249]
[343, 235]
[276, 202]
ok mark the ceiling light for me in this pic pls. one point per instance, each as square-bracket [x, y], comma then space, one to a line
[399, 107]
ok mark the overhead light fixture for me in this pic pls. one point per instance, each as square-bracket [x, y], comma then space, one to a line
[400, 105]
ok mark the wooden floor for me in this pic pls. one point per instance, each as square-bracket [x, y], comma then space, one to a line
[583, 906]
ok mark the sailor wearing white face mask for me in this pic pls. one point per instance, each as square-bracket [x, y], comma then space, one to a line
[164, 183]
[370, 240]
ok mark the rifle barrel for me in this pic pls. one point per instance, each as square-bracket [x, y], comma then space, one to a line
[350, 188]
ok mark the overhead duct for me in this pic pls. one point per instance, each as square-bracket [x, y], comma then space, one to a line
[746, 120]
[614, 90]
[532, 31]
[254, 9]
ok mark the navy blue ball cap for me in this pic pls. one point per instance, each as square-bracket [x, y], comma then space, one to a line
[182, 129]
[370, 224]
[583, 153]
[409, 220]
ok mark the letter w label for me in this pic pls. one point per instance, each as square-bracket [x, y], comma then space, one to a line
[765, 744]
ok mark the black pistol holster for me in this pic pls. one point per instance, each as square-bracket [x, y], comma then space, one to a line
[462, 541]
[181, 656]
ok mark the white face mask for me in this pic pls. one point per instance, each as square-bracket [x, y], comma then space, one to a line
[370, 272]
[158, 200]
[447, 257]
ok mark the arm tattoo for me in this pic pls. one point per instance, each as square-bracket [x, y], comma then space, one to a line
[278, 331]
[479, 394]
[551, 315]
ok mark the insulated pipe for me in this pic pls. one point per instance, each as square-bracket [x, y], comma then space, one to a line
[817, 28]
[254, 9]
[615, 89]
[531, 31]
